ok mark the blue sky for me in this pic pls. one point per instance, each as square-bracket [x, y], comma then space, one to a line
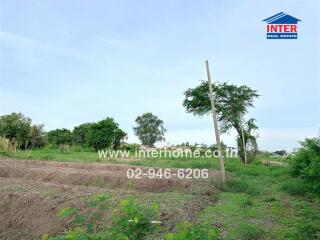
[64, 63]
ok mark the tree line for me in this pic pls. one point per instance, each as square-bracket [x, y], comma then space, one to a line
[106, 133]
[232, 103]
[21, 132]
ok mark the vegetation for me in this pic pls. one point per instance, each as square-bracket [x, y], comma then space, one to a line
[149, 129]
[258, 201]
[60, 136]
[129, 221]
[20, 132]
[306, 165]
[16, 128]
[253, 205]
[105, 134]
[6, 147]
[189, 231]
[231, 103]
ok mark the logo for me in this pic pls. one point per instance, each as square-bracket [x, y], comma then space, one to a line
[282, 26]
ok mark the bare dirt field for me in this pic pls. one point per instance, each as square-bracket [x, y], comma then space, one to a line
[32, 192]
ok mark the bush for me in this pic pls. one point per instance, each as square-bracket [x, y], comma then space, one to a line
[189, 231]
[296, 186]
[306, 163]
[134, 220]
[250, 231]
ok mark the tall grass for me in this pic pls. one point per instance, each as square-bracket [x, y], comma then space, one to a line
[6, 147]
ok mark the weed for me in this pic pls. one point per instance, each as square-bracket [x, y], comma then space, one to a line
[250, 231]
[134, 220]
[270, 199]
[240, 185]
[247, 202]
[189, 231]
[295, 186]
[66, 212]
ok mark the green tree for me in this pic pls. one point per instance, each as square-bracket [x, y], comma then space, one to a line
[306, 163]
[36, 137]
[149, 129]
[81, 134]
[16, 128]
[120, 137]
[103, 134]
[60, 136]
[231, 102]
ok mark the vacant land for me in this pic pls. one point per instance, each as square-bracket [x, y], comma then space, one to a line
[253, 205]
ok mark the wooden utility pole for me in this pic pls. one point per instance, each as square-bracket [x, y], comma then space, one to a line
[243, 140]
[215, 123]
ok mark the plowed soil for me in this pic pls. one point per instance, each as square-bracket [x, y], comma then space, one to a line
[32, 192]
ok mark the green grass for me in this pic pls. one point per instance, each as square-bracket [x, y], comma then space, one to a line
[261, 202]
[55, 155]
[92, 157]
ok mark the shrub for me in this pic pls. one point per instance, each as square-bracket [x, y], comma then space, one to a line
[306, 163]
[64, 148]
[250, 231]
[134, 220]
[189, 231]
[296, 186]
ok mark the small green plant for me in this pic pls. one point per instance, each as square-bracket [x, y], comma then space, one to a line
[189, 231]
[270, 199]
[247, 202]
[134, 220]
[66, 212]
[250, 231]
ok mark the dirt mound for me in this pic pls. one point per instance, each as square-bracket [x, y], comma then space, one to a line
[29, 214]
[110, 176]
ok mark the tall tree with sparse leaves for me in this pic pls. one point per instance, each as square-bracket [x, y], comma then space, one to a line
[149, 129]
[231, 102]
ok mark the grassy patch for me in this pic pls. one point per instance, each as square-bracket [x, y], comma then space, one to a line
[295, 186]
[250, 231]
[239, 185]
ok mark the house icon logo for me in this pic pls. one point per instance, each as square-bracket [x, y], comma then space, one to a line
[282, 26]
